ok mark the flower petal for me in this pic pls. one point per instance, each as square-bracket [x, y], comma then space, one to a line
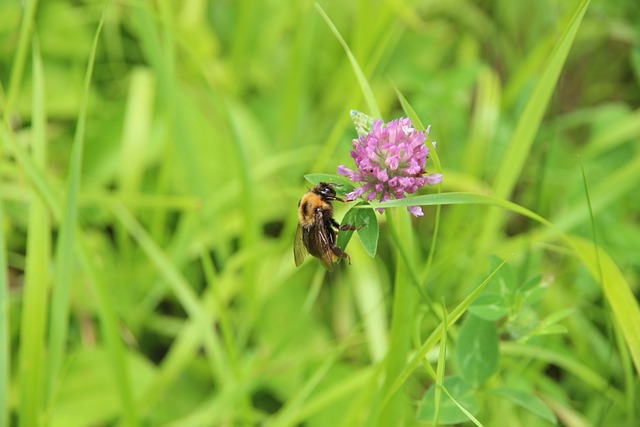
[415, 210]
[434, 178]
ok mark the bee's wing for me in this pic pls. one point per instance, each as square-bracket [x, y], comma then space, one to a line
[324, 242]
[299, 251]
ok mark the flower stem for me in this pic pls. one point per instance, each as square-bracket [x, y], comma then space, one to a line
[404, 306]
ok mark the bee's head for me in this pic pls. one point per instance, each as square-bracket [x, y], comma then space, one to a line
[326, 191]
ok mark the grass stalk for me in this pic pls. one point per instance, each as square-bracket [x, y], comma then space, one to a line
[37, 277]
[64, 258]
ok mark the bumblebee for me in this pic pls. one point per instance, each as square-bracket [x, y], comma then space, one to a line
[315, 234]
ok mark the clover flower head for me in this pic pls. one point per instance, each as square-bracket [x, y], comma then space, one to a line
[390, 161]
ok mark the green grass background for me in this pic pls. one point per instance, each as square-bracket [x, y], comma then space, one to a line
[153, 153]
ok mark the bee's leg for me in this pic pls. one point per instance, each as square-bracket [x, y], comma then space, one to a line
[344, 227]
[349, 227]
[341, 254]
[335, 223]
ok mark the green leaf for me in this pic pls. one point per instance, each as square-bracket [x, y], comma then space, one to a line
[449, 413]
[523, 323]
[490, 306]
[477, 351]
[343, 184]
[504, 284]
[362, 122]
[368, 233]
[433, 338]
[528, 401]
[534, 289]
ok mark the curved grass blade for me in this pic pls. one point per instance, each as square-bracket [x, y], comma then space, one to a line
[527, 400]
[362, 80]
[463, 409]
[433, 154]
[17, 68]
[64, 259]
[37, 179]
[462, 199]
[5, 344]
[442, 359]
[417, 124]
[531, 118]
[178, 284]
[569, 363]
[436, 334]
[111, 334]
[527, 127]
[616, 288]
[33, 321]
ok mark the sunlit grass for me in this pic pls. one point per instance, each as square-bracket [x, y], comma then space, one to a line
[149, 210]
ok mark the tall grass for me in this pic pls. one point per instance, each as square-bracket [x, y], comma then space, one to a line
[153, 157]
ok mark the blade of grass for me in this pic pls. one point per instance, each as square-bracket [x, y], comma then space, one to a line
[341, 390]
[532, 115]
[135, 137]
[111, 333]
[365, 87]
[291, 409]
[523, 136]
[417, 124]
[37, 279]
[37, 178]
[17, 68]
[5, 337]
[568, 363]
[484, 122]
[531, 118]
[436, 334]
[433, 154]
[368, 288]
[616, 289]
[180, 287]
[462, 199]
[463, 409]
[613, 187]
[402, 315]
[620, 132]
[629, 377]
[64, 258]
[439, 385]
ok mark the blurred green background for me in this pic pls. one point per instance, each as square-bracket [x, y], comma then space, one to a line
[148, 231]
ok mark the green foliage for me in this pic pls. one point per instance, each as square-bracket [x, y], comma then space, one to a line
[365, 218]
[477, 351]
[527, 401]
[153, 154]
[461, 394]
